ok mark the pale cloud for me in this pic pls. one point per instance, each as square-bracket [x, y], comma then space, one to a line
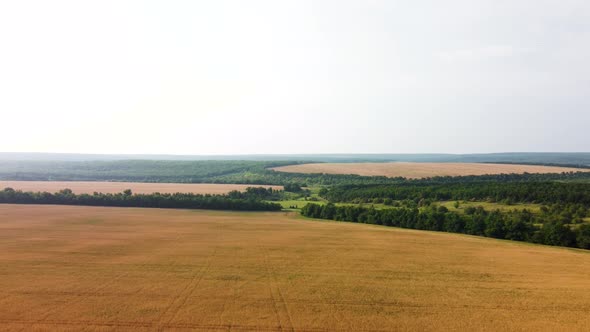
[304, 76]
[483, 53]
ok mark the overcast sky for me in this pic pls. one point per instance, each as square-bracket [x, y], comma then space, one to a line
[229, 77]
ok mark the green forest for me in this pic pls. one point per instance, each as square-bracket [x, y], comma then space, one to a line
[226, 171]
[552, 227]
[552, 208]
[251, 200]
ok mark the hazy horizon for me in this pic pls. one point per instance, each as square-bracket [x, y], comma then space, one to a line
[294, 77]
[300, 154]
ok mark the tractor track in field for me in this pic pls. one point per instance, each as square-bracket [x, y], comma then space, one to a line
[279, 304]
[117, 325]
[185, 294]
[78, 299]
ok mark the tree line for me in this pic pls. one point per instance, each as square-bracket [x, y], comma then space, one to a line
[506, 192]
[514, 225]
[248, 201]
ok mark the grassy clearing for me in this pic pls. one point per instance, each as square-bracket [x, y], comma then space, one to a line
[421, 170]
[534, 208]
[107, 269]
[298, 203]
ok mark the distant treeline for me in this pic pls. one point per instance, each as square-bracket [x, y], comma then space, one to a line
[548, 228]
[506, 192]
[248, 201]
[239, 172]
[133, 170]
[585, 166]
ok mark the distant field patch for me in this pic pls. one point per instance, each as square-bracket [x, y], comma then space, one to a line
[88, 187]
[421, 170]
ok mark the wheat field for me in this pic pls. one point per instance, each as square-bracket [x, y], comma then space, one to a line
[421, 170]
[70, 268]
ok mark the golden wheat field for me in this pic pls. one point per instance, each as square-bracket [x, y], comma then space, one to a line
[421, 170]
[128, 269]
[88, 187]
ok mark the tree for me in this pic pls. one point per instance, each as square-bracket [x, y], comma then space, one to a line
[583, 236]
[518, 230]
[292, 187]
[475, 225]
[470, 210]
[557, 234]
[328, 211]
[495, 225]
[454, 223]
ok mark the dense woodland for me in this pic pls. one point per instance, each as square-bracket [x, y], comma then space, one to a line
[252, 200]
[559, 222]
[217, 171]
[505, 192]
[547, 228]
[134, 170]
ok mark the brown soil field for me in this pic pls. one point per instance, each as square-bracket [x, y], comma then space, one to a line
[88, 187]
[128, 269]
[421, 170]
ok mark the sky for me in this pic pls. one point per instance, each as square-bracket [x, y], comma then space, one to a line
[285, 77]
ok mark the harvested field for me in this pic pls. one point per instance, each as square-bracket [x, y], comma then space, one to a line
[421, 170]
[115, 269]
[88, 187]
